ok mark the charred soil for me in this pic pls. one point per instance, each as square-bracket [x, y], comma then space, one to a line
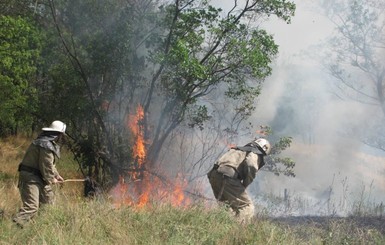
[327, 222]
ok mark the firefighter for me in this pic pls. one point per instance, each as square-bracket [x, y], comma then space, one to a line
[234, 171]
[37, 172]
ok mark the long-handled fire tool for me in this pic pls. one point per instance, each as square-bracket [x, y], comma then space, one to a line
[91, 188]
[75, 180]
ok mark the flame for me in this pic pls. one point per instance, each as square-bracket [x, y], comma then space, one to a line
[178, 197]
[119, 194]
[142, 188]
[144, 195]
[137, 128]
[151, 189]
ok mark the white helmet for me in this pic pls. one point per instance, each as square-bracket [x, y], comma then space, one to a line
[264, 145]
[56, 126]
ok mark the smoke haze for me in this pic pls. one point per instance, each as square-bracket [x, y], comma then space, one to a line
[298, 101]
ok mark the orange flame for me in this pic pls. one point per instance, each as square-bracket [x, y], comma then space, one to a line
[143, 187]
[140, 193]
[119, 194]
[178, 197]
[137, 128]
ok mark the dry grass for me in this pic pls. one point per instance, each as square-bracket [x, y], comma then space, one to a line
[11, 153]
[12, 150]
[77, 220]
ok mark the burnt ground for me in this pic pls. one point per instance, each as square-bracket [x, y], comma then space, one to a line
[325, 222]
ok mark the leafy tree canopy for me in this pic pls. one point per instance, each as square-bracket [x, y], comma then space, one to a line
[19, 52]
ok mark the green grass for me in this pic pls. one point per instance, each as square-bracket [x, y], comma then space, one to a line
[74, 219]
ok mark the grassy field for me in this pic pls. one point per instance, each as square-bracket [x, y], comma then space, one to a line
[74, 219]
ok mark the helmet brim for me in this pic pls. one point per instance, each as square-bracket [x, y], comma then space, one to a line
[52, 130]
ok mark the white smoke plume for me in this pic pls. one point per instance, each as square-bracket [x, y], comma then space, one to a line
[332, 165]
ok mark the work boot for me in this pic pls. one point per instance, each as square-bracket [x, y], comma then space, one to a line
[20, 222]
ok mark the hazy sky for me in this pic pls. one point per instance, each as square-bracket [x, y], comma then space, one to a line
[307, 28]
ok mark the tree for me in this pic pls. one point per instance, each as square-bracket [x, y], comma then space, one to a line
[357, 56]
[16, 8]
[159, 60]
[20, 47]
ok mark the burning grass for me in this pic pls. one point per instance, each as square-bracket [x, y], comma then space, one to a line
[150, 189]
[96, 221]
[78, 220]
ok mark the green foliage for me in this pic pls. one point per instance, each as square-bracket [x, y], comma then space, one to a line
[276, 163]
[19, 53]
[91, 80]
[199, 117]
[236, 53]
[208, 50]
[102, 60]
[17, 8]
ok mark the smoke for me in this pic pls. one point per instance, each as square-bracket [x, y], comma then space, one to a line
[298, 100]
[334, 169]
[332, 165]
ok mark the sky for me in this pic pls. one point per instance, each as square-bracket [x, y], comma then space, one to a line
[335, 168]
